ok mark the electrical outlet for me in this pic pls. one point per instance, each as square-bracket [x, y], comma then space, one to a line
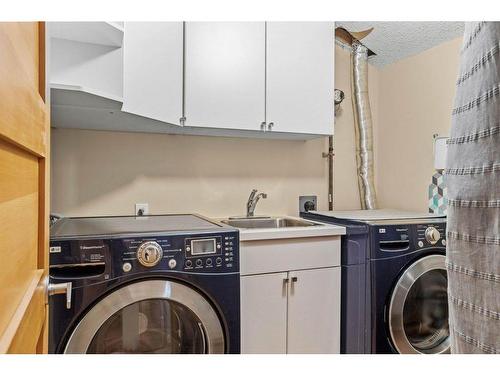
[141, 209]
[308, 203]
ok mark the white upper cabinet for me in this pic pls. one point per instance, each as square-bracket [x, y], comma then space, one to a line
[269, 80]
[153, 69]
[300, 74]
[102, 33]
[88, 67]
[225, 74]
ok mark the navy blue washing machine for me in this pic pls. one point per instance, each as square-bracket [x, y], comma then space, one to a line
[148, 284]
[394, 283]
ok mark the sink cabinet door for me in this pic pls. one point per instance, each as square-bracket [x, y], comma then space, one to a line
[152, 70]
[314, 311]
[225, 74]
[300, 88]
[263, 313]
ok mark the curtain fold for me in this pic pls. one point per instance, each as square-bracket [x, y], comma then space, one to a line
[473, 180]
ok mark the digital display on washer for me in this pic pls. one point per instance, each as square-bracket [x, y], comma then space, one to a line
[203, 246]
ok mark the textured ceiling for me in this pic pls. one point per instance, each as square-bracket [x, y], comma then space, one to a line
[393, 41]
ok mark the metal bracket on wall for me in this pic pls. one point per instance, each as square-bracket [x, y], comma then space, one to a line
[328, 154]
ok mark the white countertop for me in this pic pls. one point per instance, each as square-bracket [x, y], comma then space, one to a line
[379, 214]
[290, 232]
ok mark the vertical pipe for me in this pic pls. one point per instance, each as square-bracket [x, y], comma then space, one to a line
[363, 126]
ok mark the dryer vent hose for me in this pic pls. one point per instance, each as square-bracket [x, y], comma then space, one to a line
[363, 126]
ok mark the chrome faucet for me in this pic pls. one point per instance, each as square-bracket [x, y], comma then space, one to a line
[252, 201]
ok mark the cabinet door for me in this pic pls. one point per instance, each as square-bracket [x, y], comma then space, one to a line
[263, 313]
[152, 70]
[314, 311]
[225, 74]
[24, 188]
[300, 77]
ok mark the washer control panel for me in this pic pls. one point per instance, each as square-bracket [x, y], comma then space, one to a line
[149, 253]
[398, 238]
[210, 252]
[431, 235]
[200, 253]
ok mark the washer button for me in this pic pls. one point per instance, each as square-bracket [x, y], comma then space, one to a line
[172, 263]
[218, 260]
[420, 244]
[189, 263]
[209, 262]
[199, 262]
[126, 267]
[443, 242]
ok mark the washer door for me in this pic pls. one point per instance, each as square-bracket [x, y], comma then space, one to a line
[418, 311]
[154, 316]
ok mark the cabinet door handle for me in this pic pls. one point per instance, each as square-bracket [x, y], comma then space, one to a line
[292, 284]
[285, 285]
[270, 126]
[263, 126]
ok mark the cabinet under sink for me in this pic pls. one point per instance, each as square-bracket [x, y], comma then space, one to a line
[290, 291]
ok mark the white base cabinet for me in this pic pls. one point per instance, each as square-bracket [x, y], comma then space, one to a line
[263, 313]
[292, 312]
[290, 294]
[314, 311]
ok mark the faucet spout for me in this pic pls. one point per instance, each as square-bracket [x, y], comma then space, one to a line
[252, 201]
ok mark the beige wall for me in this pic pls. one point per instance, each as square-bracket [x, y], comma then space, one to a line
[415, 100]
[410, 100]
[102, 173]
[99, 173]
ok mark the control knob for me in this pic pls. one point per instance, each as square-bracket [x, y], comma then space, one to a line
[432, 235]
[126, 267]
[149, 254]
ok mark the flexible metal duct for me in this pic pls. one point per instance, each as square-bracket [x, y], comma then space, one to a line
[363, 126]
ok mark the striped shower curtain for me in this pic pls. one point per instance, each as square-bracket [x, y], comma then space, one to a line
[473, 179]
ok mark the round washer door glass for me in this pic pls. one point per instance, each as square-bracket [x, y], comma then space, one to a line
[418, 313]
[153, 316]
[150, 326]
